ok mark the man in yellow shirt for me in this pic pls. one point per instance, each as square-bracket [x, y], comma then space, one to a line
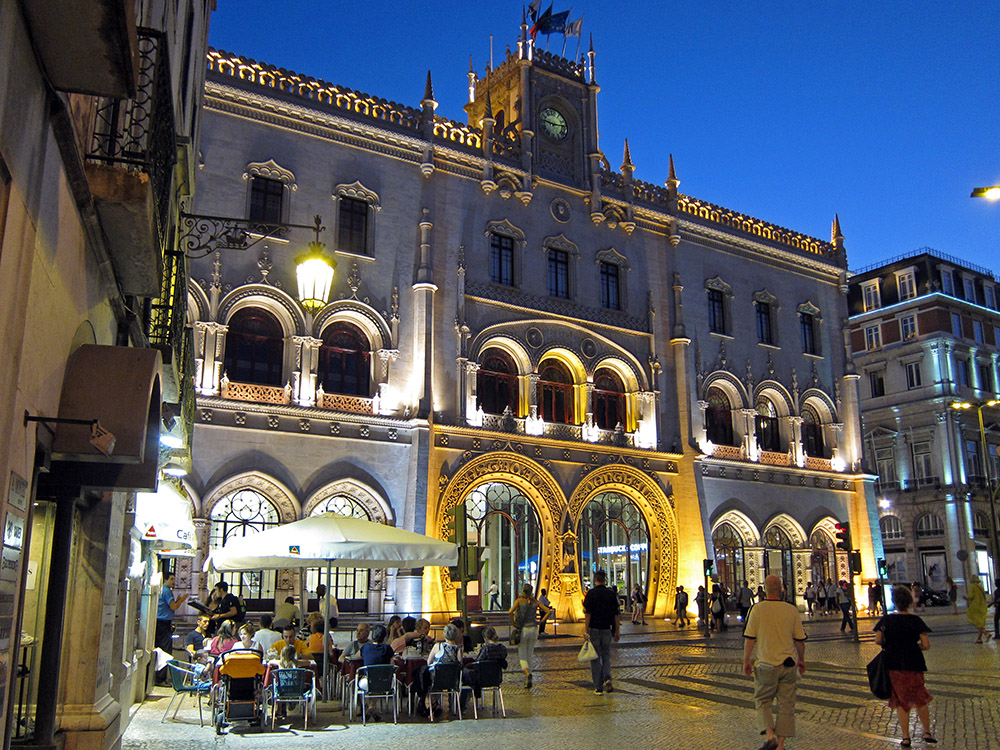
[289, 639]
[774, 627]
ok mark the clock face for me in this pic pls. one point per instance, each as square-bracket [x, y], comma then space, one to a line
[554, 124]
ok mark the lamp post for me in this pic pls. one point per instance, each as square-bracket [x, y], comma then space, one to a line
[991, 193]
[990, 491]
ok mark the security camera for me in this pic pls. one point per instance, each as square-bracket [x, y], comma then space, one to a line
[102, 439]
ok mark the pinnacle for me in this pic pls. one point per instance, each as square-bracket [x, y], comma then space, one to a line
[835, 233]
[429, 88]
[627, 159]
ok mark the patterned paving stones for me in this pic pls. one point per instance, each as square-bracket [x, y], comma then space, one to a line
[673, 690]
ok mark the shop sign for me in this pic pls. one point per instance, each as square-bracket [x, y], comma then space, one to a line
[8, 592]
[13, 530]
[17, 493]
[9, 564]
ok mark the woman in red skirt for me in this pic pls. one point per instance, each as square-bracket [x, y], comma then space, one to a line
[903, 636]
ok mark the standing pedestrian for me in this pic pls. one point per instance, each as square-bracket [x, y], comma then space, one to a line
[873, 599]
[903, 636]
[975, 608]
[844, 602]
[952, 595]
[699, 600]
[745, 598]
[718, 607]
[602, 625]
[524, 615]
[821, 598]
[831, 596]
[681, 607]
[543, 599]
[638, 605]
[774, 628]
[918, 596]
[810, 596]
[494, 592]
[166, 608]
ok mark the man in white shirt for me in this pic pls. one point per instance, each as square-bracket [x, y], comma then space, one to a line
[774, 627]
[266, 637]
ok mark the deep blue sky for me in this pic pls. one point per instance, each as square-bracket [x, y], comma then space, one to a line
[886, 113]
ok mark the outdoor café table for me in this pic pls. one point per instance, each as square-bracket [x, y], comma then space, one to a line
[408, 667]
[348, 671]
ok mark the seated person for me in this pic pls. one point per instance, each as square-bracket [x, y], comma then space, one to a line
[286, 613]
[224, 640]
[307, 627]
[353, 651]
[444, 652]
[490, 650]
[289, 639]
[395, 628]
[315, 642]
[194, 643]
[265, 638]
[246, 640]
[418, 635]
[377, 651]
[459, 623]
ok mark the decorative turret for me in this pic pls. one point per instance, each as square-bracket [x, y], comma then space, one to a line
[427, 126]
[472, 81]
[428, 100]
[836, 236]
[672, 185]
[672, 182]
[627, 167]
[591, 68]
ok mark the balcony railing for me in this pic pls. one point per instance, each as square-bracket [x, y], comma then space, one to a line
[340, 402]
[819, 464]
[260, 394]
[557, 431]
[774, 458]
[138, 134]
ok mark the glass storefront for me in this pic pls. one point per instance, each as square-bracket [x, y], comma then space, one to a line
[614, 538]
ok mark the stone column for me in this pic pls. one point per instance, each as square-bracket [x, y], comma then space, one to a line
[210, 343]
[701, 431]
[750, 434]
[306, 353]
[795, 448]
[470, 394]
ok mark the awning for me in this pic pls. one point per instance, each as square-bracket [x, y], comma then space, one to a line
[163, 518]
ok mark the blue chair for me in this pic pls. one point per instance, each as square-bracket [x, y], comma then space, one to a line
[293, 686]
[186, 680]
[376, 681]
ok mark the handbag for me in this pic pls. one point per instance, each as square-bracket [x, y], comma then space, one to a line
[587, 652]
[515, 636]
[878, 677]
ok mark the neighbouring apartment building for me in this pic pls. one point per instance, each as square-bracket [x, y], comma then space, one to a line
[925, 339]
[99, 108]
[605, 372]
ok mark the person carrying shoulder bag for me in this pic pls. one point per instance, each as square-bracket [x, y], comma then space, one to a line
[524, 618]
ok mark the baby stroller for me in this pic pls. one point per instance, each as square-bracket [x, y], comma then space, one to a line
[239, 694]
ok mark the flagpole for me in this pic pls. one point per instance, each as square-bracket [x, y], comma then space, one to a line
[568, 14]
[491, 52]
[578, 38]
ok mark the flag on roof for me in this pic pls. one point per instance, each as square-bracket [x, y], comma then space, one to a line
[556, 23]
[574, 28]
[533, 9]
[542, 19]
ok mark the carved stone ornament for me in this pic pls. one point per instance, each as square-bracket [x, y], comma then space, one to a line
[560, 242]
[534, 338]
[272, 171]
[613, 257]
[588, 348]
[561, 211]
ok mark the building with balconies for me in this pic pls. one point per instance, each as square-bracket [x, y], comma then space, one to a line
[98, 138]
[602, 372]
[924, 335]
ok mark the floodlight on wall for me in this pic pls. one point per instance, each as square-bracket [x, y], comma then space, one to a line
[991, 193]
[100, 438]
[314, 272]
[175, 469]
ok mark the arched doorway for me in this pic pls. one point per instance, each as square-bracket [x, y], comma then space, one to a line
[503, 521]
[729, 557]
[822, 559]
[613, 536]
[244, 512]
[778, 558]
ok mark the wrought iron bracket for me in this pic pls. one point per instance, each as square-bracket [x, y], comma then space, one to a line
[202, 235]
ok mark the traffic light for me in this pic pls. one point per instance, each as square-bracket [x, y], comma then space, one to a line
[883, 569]
[474, 562]
[709, 568]
[454, 520]
[844, 536]
[458, 570]
[856, 563]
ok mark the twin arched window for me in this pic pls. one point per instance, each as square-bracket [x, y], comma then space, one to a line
[812, 432]
[555, 392]
[719, 417]
[254, 347]
[496, 384]
[345, 360]
[766, 423]
[609, 400]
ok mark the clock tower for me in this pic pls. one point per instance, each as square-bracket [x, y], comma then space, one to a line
[544, 111]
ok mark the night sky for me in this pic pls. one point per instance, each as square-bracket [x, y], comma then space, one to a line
[886, 113]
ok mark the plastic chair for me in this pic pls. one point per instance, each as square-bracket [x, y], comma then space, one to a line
[490, 674]
[185, 681]
[446, 679]
[293, 686]
[376, 681]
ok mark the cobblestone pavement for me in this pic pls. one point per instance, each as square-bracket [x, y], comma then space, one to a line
[673, 689]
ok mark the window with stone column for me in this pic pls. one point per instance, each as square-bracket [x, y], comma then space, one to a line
[345, 360]
[254, 348]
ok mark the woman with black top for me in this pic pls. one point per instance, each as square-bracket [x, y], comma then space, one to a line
[903, 636]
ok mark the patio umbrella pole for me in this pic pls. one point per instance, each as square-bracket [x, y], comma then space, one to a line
[326, 635]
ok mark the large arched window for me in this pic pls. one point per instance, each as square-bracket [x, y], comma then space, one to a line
[345, 360]
[503, 521]
[609, 400]
[930, 526]
[254, 347]
[891, 528]
[614, 537]
[349, 585]
[241, 513]
[555, 392]
[766, 423]
[496, 382]
[778, 558]
[823, 560]
[729, 559]
[719, 417]
[812, 432]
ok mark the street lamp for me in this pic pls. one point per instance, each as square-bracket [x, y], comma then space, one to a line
[314, 271]
[991, 193]
[990, 491]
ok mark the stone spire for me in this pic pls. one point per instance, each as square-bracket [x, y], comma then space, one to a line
[836, 236]
[472, 81]
[591, 67]
[672, 182]
[627, 166]
[429, 92]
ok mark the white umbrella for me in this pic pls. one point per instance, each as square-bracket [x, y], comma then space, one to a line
[333, 541]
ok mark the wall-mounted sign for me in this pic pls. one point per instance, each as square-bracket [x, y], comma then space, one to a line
[10, 562]
[13, 530]
[17, 492]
